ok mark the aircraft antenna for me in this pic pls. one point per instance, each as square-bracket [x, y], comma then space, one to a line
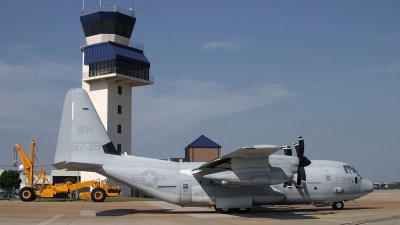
[83, 4]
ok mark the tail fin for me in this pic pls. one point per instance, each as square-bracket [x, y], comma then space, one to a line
[82, 140]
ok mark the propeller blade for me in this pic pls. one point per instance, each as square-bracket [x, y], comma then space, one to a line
[301, 147]
[298, 182]
[296, 146]
[302, 174]
[287, 150]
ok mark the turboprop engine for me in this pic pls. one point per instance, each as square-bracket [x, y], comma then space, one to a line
[276, 170]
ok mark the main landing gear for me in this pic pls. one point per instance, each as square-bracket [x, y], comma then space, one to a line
[338, 205]
[229, 210]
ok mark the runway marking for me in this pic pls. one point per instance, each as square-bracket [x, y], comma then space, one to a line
[50, 220]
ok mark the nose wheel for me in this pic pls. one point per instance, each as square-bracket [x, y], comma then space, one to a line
[338, 205]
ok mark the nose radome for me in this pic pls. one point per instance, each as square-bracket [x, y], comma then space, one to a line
[367, 186]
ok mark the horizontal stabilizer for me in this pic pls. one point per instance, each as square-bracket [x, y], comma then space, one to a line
[76, 166]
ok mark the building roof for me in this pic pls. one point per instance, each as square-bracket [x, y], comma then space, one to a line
[203, 142]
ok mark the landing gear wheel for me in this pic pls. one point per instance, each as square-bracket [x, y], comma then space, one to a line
[242, 210]
[27, 194]
[98, 195]
[338, 205]
[224, 210]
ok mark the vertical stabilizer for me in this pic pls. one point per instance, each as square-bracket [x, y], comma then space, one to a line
[82, 138]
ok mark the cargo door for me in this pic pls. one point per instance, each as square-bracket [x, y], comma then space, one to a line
[186, 191]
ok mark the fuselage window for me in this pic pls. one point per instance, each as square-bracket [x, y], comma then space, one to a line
[356, 179]
[185, 186]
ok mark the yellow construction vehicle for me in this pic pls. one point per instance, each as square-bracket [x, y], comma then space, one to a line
[99, 189]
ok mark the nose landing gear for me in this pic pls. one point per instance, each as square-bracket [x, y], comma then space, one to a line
[338, 205]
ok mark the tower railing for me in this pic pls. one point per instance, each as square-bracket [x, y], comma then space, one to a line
[128, 12]
[110, 70]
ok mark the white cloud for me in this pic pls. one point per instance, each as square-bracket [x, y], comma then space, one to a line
[393, 68]
[233, 44]
[215, 45]
[32, 88]
[191, 102]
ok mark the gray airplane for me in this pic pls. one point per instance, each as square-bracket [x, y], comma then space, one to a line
[234, 182]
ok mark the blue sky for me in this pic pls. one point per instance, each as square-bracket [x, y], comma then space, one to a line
[239, 72]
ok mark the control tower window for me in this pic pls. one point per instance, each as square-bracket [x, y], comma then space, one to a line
[108, 27]
[119, 90]
[121, 67]
[119, 109]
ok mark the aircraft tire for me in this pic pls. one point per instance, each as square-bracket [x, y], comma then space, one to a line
[224, 210]
[338, 205]
[98, 195]
[242, 210]
[27, 194]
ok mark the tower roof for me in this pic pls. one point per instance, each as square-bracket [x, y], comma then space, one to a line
[113, 22]
[203, 142]
[109, 51]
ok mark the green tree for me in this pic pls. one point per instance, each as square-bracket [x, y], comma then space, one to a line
[10, 179]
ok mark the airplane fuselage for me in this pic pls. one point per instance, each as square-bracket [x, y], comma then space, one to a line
[327, 182]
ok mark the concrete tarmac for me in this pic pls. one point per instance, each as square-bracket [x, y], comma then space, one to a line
[379, 207]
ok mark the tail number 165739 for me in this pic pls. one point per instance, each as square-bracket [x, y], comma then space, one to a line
[79, 146]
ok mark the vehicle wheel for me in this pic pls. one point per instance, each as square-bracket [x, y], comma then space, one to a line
[224, 210]
[242, 210]
[338, 205]
[98, 195]
[26, 194]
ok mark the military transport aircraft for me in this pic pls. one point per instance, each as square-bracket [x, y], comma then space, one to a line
[231, 183]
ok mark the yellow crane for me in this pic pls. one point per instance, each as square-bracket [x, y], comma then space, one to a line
[100, 189]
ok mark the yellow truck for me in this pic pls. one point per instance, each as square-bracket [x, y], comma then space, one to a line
[99, 189]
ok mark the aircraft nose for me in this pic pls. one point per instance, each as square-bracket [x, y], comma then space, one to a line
[366, 186]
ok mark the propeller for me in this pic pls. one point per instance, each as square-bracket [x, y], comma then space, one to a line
[303, 162]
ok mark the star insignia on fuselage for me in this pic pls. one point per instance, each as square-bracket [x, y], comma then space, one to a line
[149, 178]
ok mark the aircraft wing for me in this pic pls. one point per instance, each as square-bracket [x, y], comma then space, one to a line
[250, 152]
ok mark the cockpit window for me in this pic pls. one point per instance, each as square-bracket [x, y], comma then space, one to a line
[350, 169]
[345, 169]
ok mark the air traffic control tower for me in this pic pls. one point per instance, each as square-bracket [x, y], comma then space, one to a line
[112, 66]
